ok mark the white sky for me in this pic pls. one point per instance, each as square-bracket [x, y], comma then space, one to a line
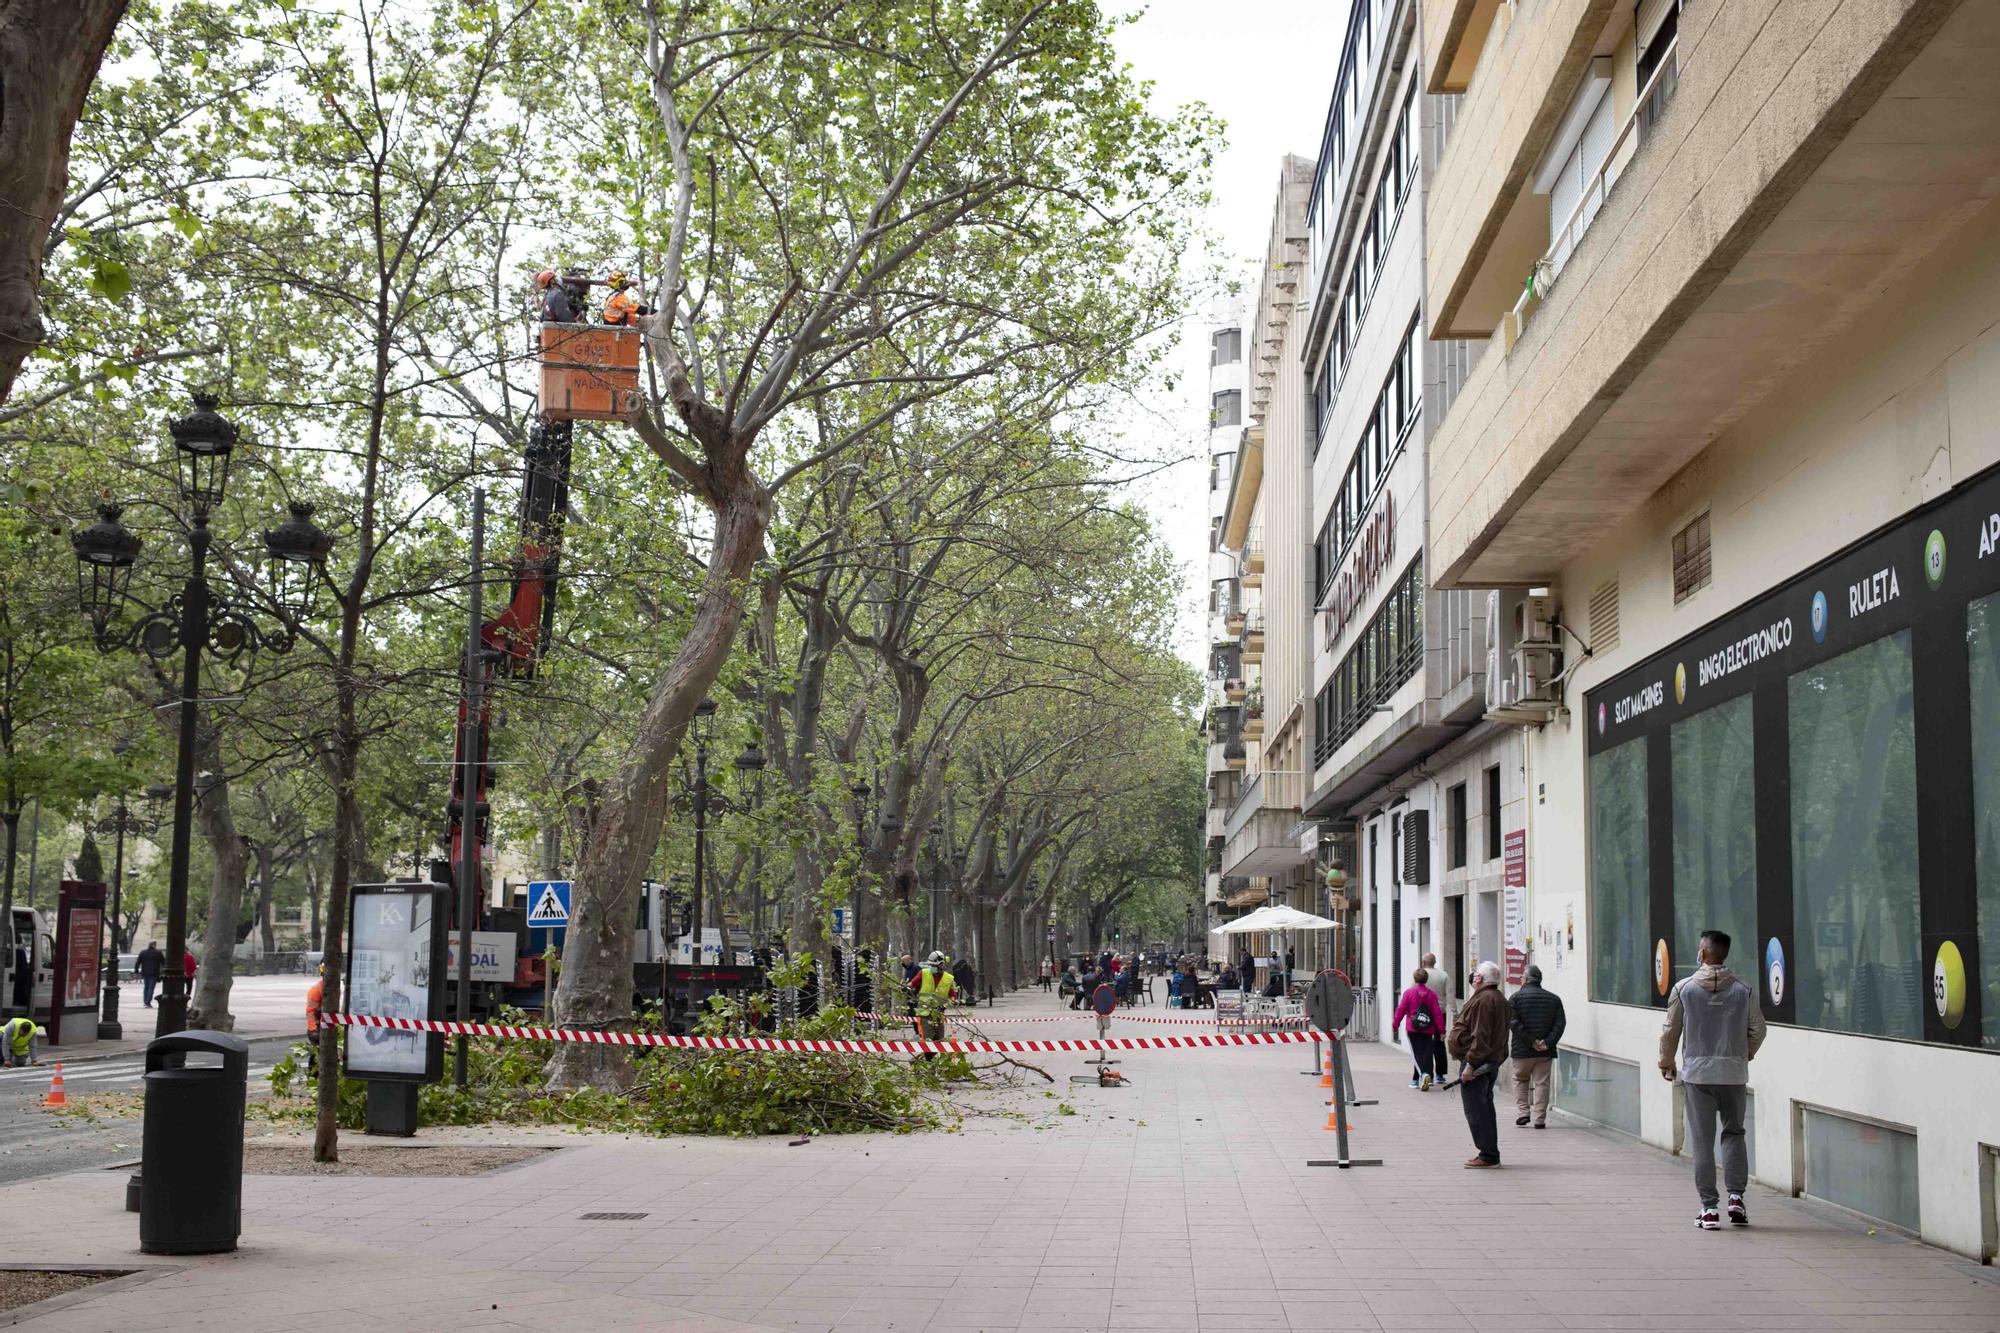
[1266, 68]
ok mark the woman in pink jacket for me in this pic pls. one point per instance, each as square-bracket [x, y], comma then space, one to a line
[1420, 1013]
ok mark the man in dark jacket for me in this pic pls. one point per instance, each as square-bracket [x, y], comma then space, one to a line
[1538, 1026]
[1479, 1040]
[150, 963]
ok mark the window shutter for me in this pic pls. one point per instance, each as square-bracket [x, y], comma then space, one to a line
[1417, 847]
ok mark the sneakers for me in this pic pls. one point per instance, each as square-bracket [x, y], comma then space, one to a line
[1413, 1082]
[1739, 1216]
[1520, 1120]
[1541, 1124]
[1707, 1220]
[1426, 1084]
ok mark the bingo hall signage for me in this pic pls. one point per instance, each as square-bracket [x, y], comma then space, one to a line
[1373, 550]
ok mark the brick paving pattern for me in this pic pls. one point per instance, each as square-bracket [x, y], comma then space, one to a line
[1178, 1205]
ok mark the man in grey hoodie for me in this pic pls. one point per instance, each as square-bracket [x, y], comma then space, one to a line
[1714, 1023]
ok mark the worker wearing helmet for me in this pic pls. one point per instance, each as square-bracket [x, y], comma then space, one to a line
[562, 299]
[935, 988]
[19, 1036]
[622, 306]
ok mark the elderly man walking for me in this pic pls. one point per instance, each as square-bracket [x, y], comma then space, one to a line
[1479, 1040]
[1714, 1023]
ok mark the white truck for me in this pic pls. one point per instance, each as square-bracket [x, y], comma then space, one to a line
[29, 991]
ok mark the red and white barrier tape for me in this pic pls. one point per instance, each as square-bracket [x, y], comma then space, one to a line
[825, 1047]
[1122, 1016]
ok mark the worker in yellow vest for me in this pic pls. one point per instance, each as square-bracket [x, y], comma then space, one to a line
[20, 1035]
[935, 988]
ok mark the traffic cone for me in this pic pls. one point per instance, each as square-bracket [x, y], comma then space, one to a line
[1333, 1121]
[1326, 1078]
[56, 1095]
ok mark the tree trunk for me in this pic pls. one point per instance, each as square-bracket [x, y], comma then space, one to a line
[231, 854]
[267, 873]
[313, 893]
[49, 54]
[595, 988]
[346, 839]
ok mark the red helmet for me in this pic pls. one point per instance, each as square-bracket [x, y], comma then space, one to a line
[544, 278]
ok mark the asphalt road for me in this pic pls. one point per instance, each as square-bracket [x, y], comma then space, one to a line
[270, 1015]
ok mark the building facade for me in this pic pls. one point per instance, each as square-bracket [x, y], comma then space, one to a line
[1736, 436]
[1227, 689]
[1264, 528]
[1418, 792]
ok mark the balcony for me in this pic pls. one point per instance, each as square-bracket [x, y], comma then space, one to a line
[1253, 716]
[1218, 817]
[1779, 183]
[1259, 829]
[1252, 631]
[1250, 563]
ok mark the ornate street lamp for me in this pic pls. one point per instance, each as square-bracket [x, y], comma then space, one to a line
[194, 620]
[204, 440]
[120, 820]
[105, 554]
[298, 548]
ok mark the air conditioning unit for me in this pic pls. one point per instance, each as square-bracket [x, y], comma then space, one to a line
[1526, 691]
[1503, 613]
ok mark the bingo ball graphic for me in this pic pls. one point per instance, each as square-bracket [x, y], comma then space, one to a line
[1934, 558]
[1680, 682]
[1819, 617]
[1948, 984]
[1661, 970]
[1774, 970]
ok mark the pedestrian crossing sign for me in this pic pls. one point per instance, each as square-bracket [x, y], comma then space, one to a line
[548, 902]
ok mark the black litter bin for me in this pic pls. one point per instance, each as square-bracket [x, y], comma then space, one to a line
[191, 1164]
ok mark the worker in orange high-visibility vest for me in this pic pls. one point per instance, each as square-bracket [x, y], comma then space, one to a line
[315, 998]
[622, 306]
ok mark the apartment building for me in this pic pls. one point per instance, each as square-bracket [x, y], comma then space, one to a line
[1266, 854]
[1736, 436]
[1227, 689]
[1417, 791]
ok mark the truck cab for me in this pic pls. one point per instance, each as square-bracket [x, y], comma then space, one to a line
[29, 992]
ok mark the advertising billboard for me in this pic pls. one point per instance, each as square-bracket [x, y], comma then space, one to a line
[395, 969]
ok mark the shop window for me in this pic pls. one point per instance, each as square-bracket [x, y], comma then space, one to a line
[1599, 1090]
[1863, 1166]
[1692, 567]
[1982, 638]
[1860, 961]
[1715, 833]
[1620, 966]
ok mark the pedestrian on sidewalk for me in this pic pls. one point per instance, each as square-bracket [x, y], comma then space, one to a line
[1440, 985]
[315, 1001]
[149, 964]
[1538, 1026]
[1419, 1013]
[1715, 1025]
[1479, 1040]
[20, 1035]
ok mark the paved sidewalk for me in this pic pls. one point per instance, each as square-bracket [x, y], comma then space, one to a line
[1181, 1203]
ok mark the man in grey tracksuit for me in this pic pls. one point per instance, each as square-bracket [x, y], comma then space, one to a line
[1714, 1023]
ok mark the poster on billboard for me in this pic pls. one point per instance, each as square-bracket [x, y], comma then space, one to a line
[395, 969]
[79, 949]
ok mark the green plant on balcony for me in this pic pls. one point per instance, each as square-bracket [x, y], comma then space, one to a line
[1253, 700]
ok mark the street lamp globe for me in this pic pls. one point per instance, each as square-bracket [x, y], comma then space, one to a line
[298, 548]
[204, 439]
[105, 554]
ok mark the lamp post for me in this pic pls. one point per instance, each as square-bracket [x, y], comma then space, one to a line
[703, 724]
[934, 859]
[195, 620]
[122, 819]
[752, 762]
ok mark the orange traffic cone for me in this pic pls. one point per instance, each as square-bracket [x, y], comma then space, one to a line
[1333, 1121]
[56, 1096]
[1326, 1079]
